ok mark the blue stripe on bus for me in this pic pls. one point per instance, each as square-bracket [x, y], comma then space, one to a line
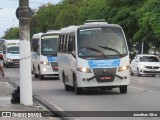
[52, 59]
[104, 63]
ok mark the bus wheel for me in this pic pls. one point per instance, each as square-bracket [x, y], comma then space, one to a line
[7, 66]
[123, 89]
[35, 75]
[78, 90]
[66, 87]
[41, 77]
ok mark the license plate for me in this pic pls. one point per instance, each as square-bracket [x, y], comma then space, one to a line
[17, 63]
[105, 78]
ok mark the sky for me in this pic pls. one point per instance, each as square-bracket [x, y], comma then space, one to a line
[8, 8]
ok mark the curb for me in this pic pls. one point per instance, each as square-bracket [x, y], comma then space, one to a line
[53, 108]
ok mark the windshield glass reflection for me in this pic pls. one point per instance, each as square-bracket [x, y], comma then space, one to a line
[100, 42]
[49, 45]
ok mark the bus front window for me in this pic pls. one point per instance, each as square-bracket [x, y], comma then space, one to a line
[100, 42]
[13, 50]
[49, 45]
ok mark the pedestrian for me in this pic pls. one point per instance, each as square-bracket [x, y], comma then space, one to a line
[1, 71]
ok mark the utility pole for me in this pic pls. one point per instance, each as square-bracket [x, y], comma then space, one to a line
[25, 59]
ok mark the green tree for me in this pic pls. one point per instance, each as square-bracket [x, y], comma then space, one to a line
[12, 33]
[148, 20]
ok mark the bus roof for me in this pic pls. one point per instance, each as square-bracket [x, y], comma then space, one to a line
[38, 35]
[87, 25]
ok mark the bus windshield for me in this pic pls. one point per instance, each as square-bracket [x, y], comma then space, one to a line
[101, 42]
[49, 45]
[13, 50]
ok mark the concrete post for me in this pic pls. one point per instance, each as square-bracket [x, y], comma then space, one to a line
[25, 62]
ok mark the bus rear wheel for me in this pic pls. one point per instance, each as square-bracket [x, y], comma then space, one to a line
[66, 87]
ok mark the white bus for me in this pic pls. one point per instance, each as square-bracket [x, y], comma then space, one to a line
[93, 55]
[11, 53]
[44, 54]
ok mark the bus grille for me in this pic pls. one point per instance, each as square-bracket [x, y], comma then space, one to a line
[103, 74]
[103, 71]
[54, 66]
[15, 60]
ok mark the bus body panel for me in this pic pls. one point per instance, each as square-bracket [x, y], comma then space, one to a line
[44, 65]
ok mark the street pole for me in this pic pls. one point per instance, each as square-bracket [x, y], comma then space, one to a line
[25, 59]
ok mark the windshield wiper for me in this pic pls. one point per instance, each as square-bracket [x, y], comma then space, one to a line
[93, 49]
[111, 49]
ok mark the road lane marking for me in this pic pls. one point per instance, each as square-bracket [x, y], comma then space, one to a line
[144, 89]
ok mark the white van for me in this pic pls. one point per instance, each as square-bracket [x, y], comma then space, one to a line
[93, 55]
[44, 54]
[11, 54]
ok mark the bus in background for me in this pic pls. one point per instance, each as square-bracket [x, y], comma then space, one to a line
[11, 53]
[44, 54]
[1, 48]
[93, 55]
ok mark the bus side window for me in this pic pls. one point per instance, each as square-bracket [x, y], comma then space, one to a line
[67, 41]
[37, 46]
[70, 47]
[64, 43]
[61, 43]
[4, 49]
[34, 45]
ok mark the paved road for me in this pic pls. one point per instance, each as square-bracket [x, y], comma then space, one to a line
[143, 95]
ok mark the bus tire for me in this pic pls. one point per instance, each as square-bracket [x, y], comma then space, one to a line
[66, 87]
[123, 89]
[78, 90]
[7, 66]
[35, 75]
[41, 77]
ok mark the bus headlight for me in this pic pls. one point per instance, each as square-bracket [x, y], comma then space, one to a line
[9, 60]
[86, 70]
[123, 68]
[44, 63]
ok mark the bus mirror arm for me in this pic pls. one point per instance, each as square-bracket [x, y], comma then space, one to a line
[88, 79]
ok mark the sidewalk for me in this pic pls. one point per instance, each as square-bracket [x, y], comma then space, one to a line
[6, 106]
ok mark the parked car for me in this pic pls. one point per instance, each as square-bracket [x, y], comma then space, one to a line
[144, 64]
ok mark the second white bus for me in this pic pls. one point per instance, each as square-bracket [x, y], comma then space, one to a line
[44, 54]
